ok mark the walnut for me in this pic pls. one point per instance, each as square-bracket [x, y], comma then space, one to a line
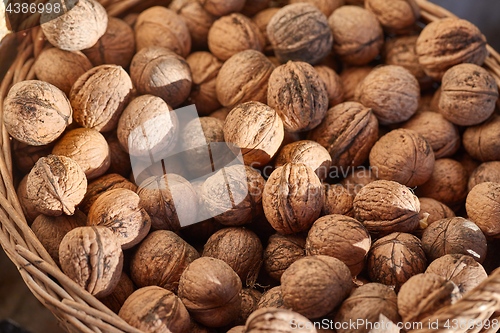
[395, 258]
[160, 72]
[147, 127]
[197, 19]
[357, 35]
[170, 200]
[341, 237]
[56, 185]
[116, 46]
[272, 298]
[253, 7]
[404, 156]
[338, 200]
[119, 159]
[351, 77]
[99, 96]
[119, 209]
[385, 206]
[244, 77]
[204, 68]
[50, 230]
[448, 42]
[300, 32]
[162, 27]
[299, 95]
[255, 128]
[448, 183]
[483, 208]
[481, 141]
[262, 19]
[292, 198]
[278, 320]
[200, 232]
[119, 295]
[81, 25]
[325, 6]
[397, 16]
[423, 294]
[61, 68]
[160, 260]
[431, 211]
[441, 134]
[281, 251]
[25, 156]
[232, 34]
[210, 290]
[348, 131]
[154, 309]
[461, 269]
[485, 172]
[249, 300]
[88, 148]
[367, 303]
[468, 94]
[391, 91]
[314, 285]
[357, 178]
[307, 152]
[333, 84]
[220, 113]
[222, 7]
[28, 206]
[36, 112]
[93, 258]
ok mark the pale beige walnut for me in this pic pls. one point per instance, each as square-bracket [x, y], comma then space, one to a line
[147, 127]
[256, 129]
[348, 132]
[61, 68]
[261, 19]
[120, 211]
[272, 298]
[351, 77]
[232, 34]
[102, 184]
[160, 72]
[333, 84]
[395, 258]
[431, 211]
[392, 92]
[77, 26]
[397, 16]
[205, 68]
[367, 303]
[36, 112]
[56, 185]
[154, 309]
[25, 156]
[50, 230]
[244, 77]
[325, 6]
[93, 258]
[116, 46]
[461, 269]
[441, 134]
[292, 198]
[300, 32]
[162, 27]
[278, 320]
[338, 200]
[222, 7]
[281, 251]
[233, 195]
[483, 207]
[448, 42]
[160, 260]
[298, 94]
[485, 172]
[424, 294]
[357, 35]
[341, 237]
[481, 141]
[314, 285]
[170, 200]
[88, 148]
[120, 293]
[210, 290]
[99, 96]
[307, 152]
[468, 94]
[404, 156]
[385, 206]
[28, 207]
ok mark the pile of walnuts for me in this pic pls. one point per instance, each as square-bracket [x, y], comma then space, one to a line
[368, 181]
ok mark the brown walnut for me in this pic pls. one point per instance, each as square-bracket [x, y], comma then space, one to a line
[481, 141]
[272, 298]
[277, 320]
[431, 211]
[485, 172]
[396, 16]
[120, 293]
[325, 6]
[351, 77]
[338, 200]
[28, 207]
[253, 7]
[333, 84]
[249, 299]
[119, 159]
[483, 207]
[222, 7]
[357, 178]
[262, 19]
[25, 156]
[281, 251]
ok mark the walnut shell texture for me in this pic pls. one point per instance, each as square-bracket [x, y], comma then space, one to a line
[483, 207]
[431, 211]
[120, 293]
[485, 172]
[338, 200]
[272, 298]
[333, 84]
[325, 6]
[281, 251]
[396, 16]
[481, 141]
[222, 7]
[277, 320]
[401, 51]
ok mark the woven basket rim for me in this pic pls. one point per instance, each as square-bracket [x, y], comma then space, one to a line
[79, 311]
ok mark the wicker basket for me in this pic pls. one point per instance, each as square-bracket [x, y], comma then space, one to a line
[76, 309]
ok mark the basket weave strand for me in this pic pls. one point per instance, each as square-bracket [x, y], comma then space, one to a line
[79, 311]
